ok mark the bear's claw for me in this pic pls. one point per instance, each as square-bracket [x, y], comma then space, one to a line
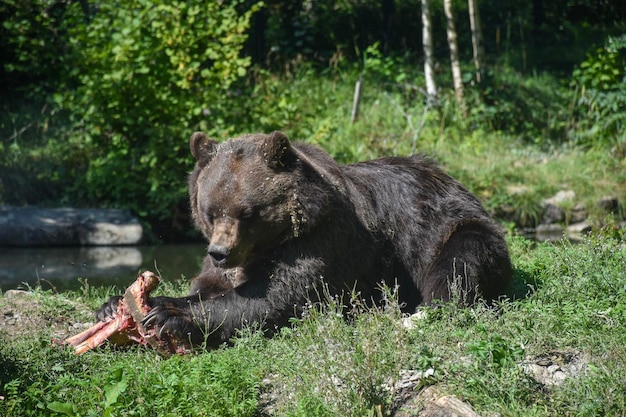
[108, 310]
[168, 321]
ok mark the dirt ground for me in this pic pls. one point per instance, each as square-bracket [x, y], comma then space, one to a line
[26, 314]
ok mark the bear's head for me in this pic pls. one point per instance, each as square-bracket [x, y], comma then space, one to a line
[243, 195]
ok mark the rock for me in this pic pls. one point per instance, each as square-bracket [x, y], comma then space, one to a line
[579, 214]
[426, 402]
[412, 321]
[549, 232]
[518, 189]
[552, 369]
[576, 231]
[30, 226]
[609, 204]
[430, 403]
[409, 378]
[563, 196]
[17, 294]
[553, 207]
[552, 214]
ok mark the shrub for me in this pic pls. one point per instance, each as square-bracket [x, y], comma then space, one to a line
[145, 76]
[600, 93]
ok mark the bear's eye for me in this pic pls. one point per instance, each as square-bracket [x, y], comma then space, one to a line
[210, 218]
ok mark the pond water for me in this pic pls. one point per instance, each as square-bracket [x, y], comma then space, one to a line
[63, 268]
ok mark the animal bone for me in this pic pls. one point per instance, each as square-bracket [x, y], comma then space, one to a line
[126, 326]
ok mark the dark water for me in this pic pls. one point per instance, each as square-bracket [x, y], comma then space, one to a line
[61, 268]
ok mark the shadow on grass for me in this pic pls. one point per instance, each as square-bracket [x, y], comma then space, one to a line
[524, 284]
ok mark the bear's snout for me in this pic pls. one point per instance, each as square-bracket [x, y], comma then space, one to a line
[218, 253]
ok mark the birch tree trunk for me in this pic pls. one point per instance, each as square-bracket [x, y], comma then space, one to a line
[454, 56]
[477, 38]
[427, 43]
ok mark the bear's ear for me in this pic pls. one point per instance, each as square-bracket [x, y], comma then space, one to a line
[276, 150]
[202, 148]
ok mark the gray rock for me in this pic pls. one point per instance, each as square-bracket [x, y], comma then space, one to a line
[609, 204]
[552, 214]
[563, 196]
[412, 322]
[17, 293]
[578, 229]
[553, 368]
[31, 226]
[431, 402]
[549, 232]
[579, 214]
[553, 207]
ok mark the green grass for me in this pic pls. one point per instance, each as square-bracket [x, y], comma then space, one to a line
[569, 298]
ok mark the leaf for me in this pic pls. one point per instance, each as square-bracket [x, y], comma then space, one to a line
[63, 408]
[113, 391]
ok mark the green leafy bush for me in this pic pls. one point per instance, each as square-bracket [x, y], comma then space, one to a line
[144, 77]
[600, 93]
[33, 40]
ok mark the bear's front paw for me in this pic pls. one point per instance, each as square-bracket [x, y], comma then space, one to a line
[166, 317]
[108, 310]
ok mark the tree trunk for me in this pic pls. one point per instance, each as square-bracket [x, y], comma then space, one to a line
[388, 9]
[539, 17]
[477, 38]
[256, 40]
[454, 56]
[427, 42]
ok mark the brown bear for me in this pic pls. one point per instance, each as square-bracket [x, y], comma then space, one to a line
[286, 223]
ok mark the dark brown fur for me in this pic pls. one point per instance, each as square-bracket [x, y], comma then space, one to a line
[284, 219]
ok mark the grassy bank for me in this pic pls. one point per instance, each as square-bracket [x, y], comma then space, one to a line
[512, 155]
[568, 311]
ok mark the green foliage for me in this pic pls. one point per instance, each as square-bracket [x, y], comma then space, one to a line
[533, 108]
[600, 93]
[33, 46]
[33, 39]
[493, 350]
[131, 83]
[113, 383]
[145, 76]
[604, 68]
[107, 405]
[386, 67]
